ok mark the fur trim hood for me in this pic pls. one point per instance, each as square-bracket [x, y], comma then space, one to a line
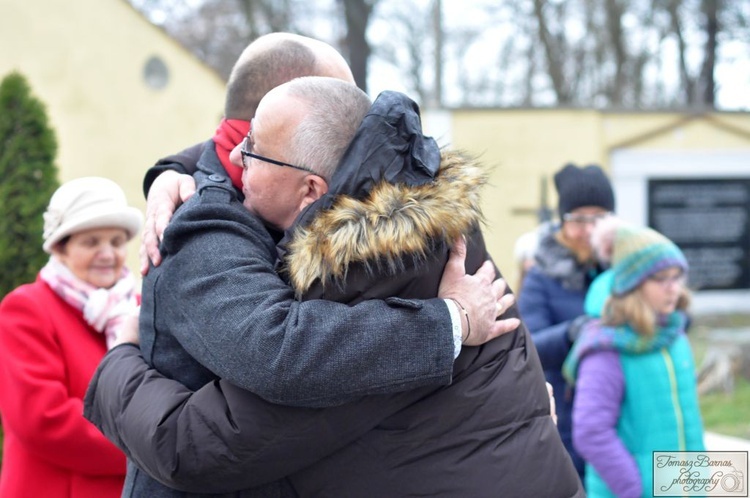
[390, 224]
[559, 263]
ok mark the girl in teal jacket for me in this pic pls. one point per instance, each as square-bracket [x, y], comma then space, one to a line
[633, 368]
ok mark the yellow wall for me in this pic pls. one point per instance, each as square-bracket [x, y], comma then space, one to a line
[85, 60]
[523, 145]
[674, 131]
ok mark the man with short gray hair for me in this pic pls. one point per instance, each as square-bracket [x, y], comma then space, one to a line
[305, 126]
[325, 130]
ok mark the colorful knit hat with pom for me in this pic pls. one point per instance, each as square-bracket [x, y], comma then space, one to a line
[638, 253]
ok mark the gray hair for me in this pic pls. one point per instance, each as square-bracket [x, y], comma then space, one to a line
[272, 60]
[335, 111]
[264, 65]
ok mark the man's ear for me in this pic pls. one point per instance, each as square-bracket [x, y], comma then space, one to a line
[316, 187]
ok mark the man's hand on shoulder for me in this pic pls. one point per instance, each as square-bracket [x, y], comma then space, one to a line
[169, 190]
[482, 297]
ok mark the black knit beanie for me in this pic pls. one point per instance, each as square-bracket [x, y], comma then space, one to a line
[587, 186]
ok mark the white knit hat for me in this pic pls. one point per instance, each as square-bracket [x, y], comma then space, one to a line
[86, 203]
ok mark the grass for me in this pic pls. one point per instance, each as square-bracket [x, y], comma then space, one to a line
[727, 414]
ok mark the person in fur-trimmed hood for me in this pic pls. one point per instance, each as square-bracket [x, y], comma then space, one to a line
[383, 229]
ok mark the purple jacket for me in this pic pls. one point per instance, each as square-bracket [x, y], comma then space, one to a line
[596, 410]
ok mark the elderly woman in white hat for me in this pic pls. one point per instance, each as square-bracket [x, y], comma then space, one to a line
[53, 333]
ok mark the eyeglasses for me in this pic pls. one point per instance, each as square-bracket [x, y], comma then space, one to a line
[247, 145]
[668, 280]
[584, 219]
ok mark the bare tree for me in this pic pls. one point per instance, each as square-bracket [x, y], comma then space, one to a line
[437, 31]
[687, 81]
[614, 13]
[699, 86]
[710, 10]
[217, 31]
[357, 16]
[555, 45]
[264, 17]
[602, 53]
[403, 46]
[620, 61]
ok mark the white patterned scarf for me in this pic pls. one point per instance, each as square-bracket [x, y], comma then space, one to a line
[103, 309]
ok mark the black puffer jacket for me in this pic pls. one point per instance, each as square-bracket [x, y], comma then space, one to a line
[384, 229]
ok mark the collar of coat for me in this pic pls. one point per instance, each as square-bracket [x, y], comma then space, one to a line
[392, 222]
[559, 263]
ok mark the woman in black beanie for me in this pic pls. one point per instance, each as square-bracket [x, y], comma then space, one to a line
[553, 291]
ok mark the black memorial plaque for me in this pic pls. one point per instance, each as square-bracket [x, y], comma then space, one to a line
[708, 219]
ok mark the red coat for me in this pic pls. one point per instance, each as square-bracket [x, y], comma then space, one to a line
[48, 355]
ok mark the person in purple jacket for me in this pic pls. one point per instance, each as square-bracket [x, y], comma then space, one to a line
[633, 369]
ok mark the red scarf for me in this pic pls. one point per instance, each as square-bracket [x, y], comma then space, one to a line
[230, 133]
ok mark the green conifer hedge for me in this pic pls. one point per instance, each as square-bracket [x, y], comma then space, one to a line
[28, 177]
